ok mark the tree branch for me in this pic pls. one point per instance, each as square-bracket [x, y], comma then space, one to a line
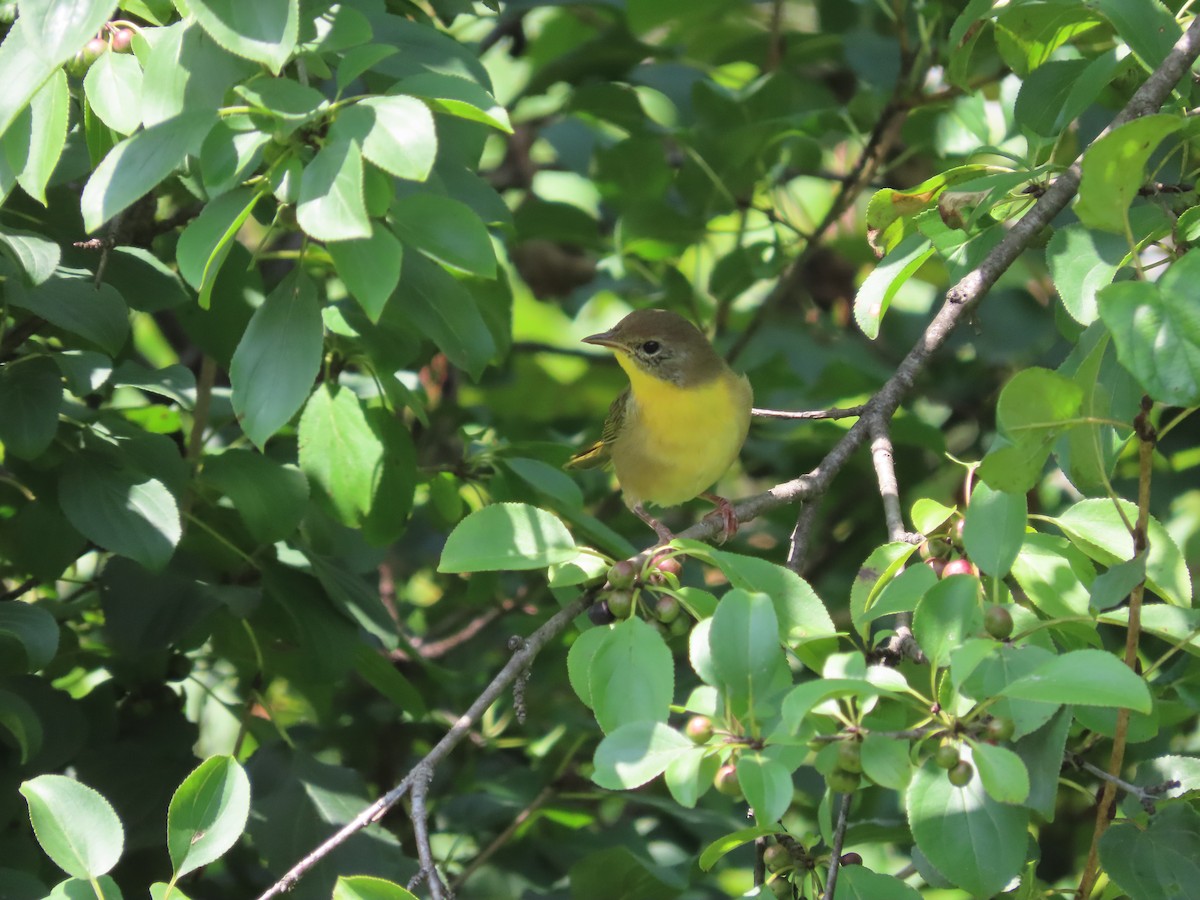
[835, 852]
[959, 301]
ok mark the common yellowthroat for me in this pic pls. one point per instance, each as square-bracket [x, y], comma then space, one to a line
[681, 422]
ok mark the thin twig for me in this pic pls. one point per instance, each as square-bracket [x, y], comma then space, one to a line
[798, 541]
[505, 836]
[835, 852]
[883, 459]
[1145, 795]
[832, 413]
[1141, 545]
[423, 774]
[27, 585]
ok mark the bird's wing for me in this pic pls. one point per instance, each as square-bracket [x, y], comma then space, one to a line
[597, 454]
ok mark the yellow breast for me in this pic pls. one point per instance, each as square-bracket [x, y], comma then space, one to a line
[676, 442]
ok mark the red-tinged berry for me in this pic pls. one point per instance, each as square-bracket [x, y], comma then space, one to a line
[850, 859]
[726, 781]
[842, 782]
[998, 622]
[121, 40]
[849, 756]
[959, 567]
[946, 756]
[622, 574]
[94, 49]
[669, 565]
[937, 565]
[699, 729]
[776, 858]
[961, 775]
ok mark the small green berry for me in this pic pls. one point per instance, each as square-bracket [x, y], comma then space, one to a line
[620, 603]
[726, 781]
[960, 775]
[1000, 729]
[776, 858]
[622, 574]
[666, 609]
[998, 622]
[849, 755]
[842, 782]
[946, 756]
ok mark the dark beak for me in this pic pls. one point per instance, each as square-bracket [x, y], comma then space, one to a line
[603, 339]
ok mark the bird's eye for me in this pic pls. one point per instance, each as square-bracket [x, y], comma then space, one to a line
[650, 347]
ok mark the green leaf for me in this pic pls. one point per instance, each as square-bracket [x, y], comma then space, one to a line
[160, 890]
[34, 254]
[114, 89]
[992, 674]
[228, 157]
[886, 762]
[1098, 530]
[47, 137]
[860, 883]
[632, 676]
[97, 314]
[1159, 862]
[136, 165]
[804, 698]
[804, 623]
[360, 461]
[30, 397]
[744, 645]
[1054, 575]
[948, 614]
[459, 97]
[207, 814]
[547, 480]
[1147, 26]
[120, 508]
[369, 267]
[994, 529]
[57, 29]
[277, 359]
[185, 72]
[381, 673]
[1156, 330]
[401, 139]
[270, 496]
[446, 231]
[1042, 753]
[579, 662]
[767, 785]
[1083, 678]
[367, 887]
[207, 239]
[354, 597]
[1114, 169]
[1111, 588]
[901, 594]
[331, 205]
[74, 825]
[507, 537]
[877, 291]
[976, 842]
[689, 776]
[730, 842]
[1082, 261]
[83, 889]
[637, 752]
[23, 71]
[283, 99]
[1036, 402]
[23, 726]
[616, 872]
[928, 515]
[445, 312]
[1002, 772]
[34, 629]
[876, 572]
[264, 31]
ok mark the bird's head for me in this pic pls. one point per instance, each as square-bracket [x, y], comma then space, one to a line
[661, 344]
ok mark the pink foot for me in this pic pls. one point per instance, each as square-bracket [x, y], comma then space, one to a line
[729, 519]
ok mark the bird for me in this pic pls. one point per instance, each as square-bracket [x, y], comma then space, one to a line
[678, 426]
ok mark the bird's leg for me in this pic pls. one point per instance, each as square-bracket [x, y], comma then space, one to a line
[729, 519]
[663, 532]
